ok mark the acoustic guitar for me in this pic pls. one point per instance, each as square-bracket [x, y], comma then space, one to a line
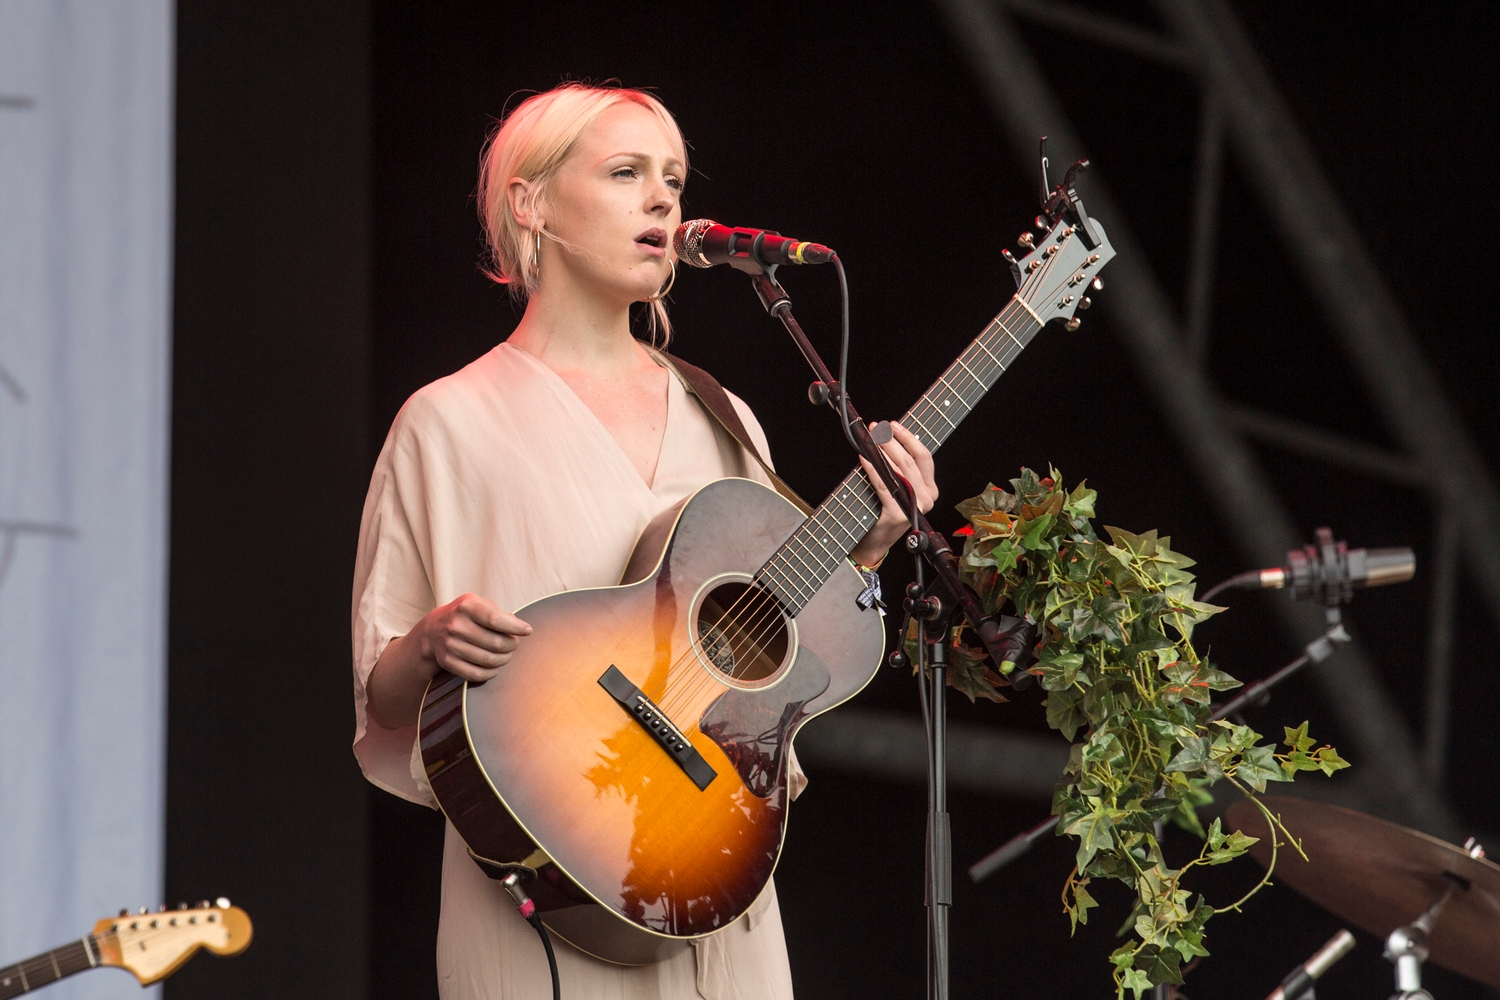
[150, 945]
[630, 762]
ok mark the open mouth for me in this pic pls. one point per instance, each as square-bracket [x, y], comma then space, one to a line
[653, 238]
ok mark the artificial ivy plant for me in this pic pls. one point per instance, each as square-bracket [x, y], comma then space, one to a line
[1124, 684]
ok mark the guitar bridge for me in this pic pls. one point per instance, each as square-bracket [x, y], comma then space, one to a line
[654, 721]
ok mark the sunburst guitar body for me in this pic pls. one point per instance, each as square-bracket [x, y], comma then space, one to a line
[570, 764]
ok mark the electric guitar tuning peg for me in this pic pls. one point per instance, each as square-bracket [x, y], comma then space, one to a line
[1027, 240]
[1085, 302]
[1073, 324]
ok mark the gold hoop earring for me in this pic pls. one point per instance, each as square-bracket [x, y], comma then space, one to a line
[671, 280]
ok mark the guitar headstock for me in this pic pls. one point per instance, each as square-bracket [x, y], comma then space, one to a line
[152, 945]
[1061, 267]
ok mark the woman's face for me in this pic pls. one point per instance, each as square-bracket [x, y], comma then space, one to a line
[616, 201]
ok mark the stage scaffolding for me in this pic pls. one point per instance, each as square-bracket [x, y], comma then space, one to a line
[1400, 776]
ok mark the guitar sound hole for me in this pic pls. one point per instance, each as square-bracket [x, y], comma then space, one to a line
[742, 631]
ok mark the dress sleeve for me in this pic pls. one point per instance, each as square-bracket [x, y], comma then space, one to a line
[392, 592]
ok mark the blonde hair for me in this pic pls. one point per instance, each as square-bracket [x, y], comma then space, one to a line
[531, 143]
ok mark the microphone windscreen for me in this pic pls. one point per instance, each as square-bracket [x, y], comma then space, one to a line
[687, 242]
[1378, 567]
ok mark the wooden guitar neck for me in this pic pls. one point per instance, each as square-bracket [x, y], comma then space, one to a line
[49, 967]
[805, 562]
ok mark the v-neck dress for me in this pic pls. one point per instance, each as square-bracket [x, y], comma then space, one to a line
[499, 481]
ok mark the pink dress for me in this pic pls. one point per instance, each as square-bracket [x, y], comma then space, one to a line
[498, 480]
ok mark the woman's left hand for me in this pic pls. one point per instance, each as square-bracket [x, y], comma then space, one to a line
[911, 459]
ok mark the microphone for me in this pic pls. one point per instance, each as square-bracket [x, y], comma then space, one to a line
[704, 243]
[1328, 572]
[1298, 985]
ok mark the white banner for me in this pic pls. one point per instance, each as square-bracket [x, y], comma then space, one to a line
[85, 299]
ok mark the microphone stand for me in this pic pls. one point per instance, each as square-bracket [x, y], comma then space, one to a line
[938, 606]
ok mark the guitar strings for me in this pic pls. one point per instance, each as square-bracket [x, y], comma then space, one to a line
[755, 633]
[43, 962]
[765, 608]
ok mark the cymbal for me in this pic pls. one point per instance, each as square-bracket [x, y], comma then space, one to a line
[1379, 876]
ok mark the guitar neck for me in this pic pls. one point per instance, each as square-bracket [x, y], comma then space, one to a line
[49, 967]
[806, 560]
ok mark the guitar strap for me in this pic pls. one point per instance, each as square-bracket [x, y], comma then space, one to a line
[714, 399]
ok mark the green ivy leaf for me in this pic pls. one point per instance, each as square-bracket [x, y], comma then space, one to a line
[1297, 739]
[1081, 501]
[1329, 760]
[1034, 537]
[992, 499]
[1078, 912]
[1299, 761]
[1135, 980]
[1065, 711]
[1099, 618]
[1258, 766]
[1161, 965]
[1196, 755]
[1095, 832]
[1188, 938]
[1224, 847]
[1129, 541]
[1059, 670]
[1155, 809]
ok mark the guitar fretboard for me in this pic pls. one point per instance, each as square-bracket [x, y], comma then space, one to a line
[48, 967]
[806, 560]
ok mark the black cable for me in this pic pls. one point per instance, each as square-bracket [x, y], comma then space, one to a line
[838, 266]
[1249, 580]
[535, 920]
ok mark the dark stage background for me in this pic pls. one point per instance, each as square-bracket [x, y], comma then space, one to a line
[327, 256]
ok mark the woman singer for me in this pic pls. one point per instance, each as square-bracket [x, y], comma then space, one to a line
[532, 471]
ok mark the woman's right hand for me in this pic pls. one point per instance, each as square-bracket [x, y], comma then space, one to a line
[469, 637]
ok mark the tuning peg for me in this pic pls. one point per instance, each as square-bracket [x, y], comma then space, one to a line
[202, 904]
[222, 902]
[1027, 240]
[1043, 223]
[182, 906]
[1085, 302]
[1009, 258]
[1073, 324]
[1097, 284]
[125, 912]
[143, 911]
[162, 908]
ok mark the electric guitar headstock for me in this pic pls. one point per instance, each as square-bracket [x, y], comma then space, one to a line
[152, 945]
[1060, 266]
